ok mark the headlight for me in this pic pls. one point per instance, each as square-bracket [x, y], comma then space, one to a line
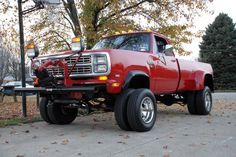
[100, 63]
[100, 60]
[100, 68]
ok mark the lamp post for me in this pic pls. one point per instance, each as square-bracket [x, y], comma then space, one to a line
[22, 43]
[22, 53]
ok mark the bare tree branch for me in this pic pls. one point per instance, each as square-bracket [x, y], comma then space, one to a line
[63, 39]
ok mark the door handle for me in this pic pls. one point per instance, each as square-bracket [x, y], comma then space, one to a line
[173, 60]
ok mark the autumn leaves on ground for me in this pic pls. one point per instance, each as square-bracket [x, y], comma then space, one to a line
[13, 110]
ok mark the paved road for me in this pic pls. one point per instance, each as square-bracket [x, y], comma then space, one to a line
[176, 133]
[225, 96]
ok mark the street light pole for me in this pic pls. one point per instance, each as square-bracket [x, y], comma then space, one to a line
[22, 47]
[39, 4]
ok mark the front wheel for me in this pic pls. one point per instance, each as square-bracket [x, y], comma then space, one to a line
[204, 101]
[43, 108]
[120, 109]
[141, 110]
[60, 114]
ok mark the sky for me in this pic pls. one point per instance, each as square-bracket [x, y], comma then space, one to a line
[201, 23]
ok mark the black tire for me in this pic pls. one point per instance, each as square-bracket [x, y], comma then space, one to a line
[191, 103]
[43, 109]
[135, 103]
[120, 109]
[61, 115]
[204, 101]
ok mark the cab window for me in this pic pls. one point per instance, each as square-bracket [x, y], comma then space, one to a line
[159, 44]
[162, 47]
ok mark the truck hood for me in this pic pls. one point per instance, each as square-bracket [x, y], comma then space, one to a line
[68, 53]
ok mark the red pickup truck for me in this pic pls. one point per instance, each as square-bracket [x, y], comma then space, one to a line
[127, 73]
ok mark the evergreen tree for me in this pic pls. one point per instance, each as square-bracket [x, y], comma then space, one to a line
[219, 49]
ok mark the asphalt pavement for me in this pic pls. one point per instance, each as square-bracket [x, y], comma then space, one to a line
[175, 134]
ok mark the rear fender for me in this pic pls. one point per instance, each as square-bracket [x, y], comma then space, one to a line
[203, 79]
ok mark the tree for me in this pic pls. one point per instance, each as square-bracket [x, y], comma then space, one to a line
[94, 18]
[219, 49]
[4, 64]
[15, 68]
[9, 58]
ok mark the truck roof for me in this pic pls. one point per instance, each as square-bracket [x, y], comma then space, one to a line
[137, 32]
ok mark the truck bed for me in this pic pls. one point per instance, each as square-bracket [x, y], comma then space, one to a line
[191, 74]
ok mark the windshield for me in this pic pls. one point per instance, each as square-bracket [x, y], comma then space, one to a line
[133, 42]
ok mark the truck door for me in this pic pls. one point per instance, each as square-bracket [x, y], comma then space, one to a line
[167, 69]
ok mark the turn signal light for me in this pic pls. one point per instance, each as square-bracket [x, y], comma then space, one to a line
[75, 40]
[30, 46]
[115, 84]
[102, 78]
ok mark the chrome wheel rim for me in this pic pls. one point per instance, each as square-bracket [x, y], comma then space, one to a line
[208, 101]
[147, 110]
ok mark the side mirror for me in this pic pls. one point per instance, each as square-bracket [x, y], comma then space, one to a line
[77, 45]
[169, 50]
[32, 51]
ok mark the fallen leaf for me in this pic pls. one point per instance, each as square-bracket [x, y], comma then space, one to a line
[126, 137]
[19, 155]
[99, 142]
[121, 142]
[13, 132]
[79, 154]
[165, 147]
[34, 137]
[26, 131]
[61, 135]
[65, 142]
[42, 151]
[54, 142]
[95, 120]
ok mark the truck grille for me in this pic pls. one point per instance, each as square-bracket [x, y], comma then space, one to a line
[83, 66]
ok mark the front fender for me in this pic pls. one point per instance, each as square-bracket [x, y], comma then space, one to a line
[133, 74]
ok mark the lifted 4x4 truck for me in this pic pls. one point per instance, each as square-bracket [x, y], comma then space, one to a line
[127, 73]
